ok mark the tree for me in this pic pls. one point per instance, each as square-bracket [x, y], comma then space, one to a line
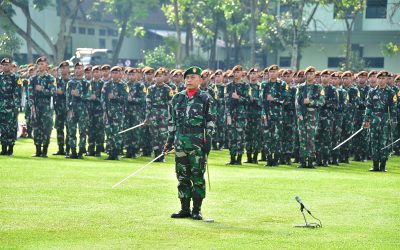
[9, 43]
[159, 57]
[126, 12]
[57, 48]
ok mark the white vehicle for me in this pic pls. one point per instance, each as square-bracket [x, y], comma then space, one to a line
[92, 56]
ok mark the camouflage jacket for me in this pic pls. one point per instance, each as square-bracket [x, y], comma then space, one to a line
[381, 101]
[61, 100]
[254, 105]
[278, 90]
[137, 91]
[117, 104]
[95, 88]
[314, 92]
[158, 97]
[236, 107]
[9, 92]
[39, 98]
[80, 101]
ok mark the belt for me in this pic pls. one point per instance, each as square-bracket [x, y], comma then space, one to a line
[160, 106]
[310, 109]
[379, 111]
[190, 130]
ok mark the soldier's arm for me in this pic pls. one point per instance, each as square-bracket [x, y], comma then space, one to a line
[148, 103]
[172, 122]
[368, 108]
[50, 90]
[210, 114]
[283, 94]
[227, 98]
[392, 108]
[245, 98]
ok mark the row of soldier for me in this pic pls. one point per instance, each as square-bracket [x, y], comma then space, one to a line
[279, 113]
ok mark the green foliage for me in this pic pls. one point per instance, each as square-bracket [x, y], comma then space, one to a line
[193, 60]
[159, 57]
[9, 43]
[356, 63]
[390, 49]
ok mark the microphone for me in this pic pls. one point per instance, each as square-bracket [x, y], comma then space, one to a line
[303, 206]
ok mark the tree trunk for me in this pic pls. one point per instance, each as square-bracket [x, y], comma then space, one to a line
[178, 34]
[29, 41]
[253, 7]
[213, 54]
[348, 44]
[227, 48]
[120, 40]
[295, 51]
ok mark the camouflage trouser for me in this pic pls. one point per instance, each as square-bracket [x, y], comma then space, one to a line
[254, 133]
[95, 129]
[27, 115]
[379, 136]
[43, 125]
[289, 132]
[159, 132]
[77, 119]
[347, 130]
[237, 135]
[220, 125]
[133, 137]
[273, 134]
[337, 132]
[361, 140]
[396, 134]
[113, 124]
[60, 122]
[190, 169]
[8, 127]
[307, 127]
[146, 143]
[324, 135]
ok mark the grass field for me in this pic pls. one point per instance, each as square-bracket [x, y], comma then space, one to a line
[57, 203]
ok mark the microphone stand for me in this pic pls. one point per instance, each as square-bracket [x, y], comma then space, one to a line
[308, 225]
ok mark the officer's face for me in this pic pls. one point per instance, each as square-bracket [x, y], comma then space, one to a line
[382, 81]
[115, 76]
[325, 78]
[237, 75]
[192, 82]
[6, 67]
[372, 79]
[106, 73]
[253, 76]
[159, 79]
[149, 77]
[347, 80]
[79, 71]
[131, 77]
[310, 76]
[64, 70]
[41, 66]
[96, 74]
[218, 79]
[362, 79]
[273, 74]
[88, 74]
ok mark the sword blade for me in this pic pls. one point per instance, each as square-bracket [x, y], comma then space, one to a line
[390, 144]
[126, 130]
[348, 139]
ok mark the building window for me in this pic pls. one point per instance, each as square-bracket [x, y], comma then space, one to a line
[112, 32]
[334, 62]
[376, 9]
[114, 43]
[82, 30]
[283, 8]
[284, 61]
[102, 32]
[102, 43]
[73, 31]
[375, 62]
[90, 31]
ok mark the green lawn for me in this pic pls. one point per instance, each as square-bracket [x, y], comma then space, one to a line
[58, 203]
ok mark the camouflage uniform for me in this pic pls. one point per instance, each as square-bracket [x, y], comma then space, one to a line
[253, 128]
[27, 111]
[60, 108]
[95, 124]
[325, 128]
[77, 114]
[338, 123]
[362, 139]
[220, 130]
[381, 104]
[273, 111]
[236, 109]
[9, 103]
[114, 115]
[289, 125]
[42, 118]
[307, 119]
[157, 105]
[135, 115]
[190, 120]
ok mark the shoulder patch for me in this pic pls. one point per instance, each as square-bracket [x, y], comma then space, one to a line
[287, 87]
[394, 98]
[322, 92]
[171, 93]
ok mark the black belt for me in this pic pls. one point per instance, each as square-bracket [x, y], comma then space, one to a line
[380, 111]
[159, 106]
[190, 130]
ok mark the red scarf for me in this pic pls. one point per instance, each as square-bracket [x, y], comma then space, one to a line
[191, 92]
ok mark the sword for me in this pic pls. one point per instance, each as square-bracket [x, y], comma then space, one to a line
[126, 130]
[140, 169]
[391, 144]
[348, 139]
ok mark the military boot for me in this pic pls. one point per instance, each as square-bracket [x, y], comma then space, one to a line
[10, 151]
[375, 166]
[214, 145]
[310, 163]
[249, 157]
[335, 161]
[115, 154]
[196, 212]
[185, 209]
[134, 153]
[325, 162]
[99, 149]
[73, 154]
[276, 159]
[382, 166]
[81, 152]
[128, 153]
[255, 158]
[288, 160]
[90, 151]
[110, 156]
[162, 158]
[38, 151]
[239, 160]
[3, 149]
[232, 162]
[155, 155]
[67, 150]
[60, 150]
[269, 161]
[302, 163]
[44, 151]
[263, 156]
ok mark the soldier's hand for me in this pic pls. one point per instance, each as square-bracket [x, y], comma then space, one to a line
[39, 88]
[229, 120]
[146, 122]
[75, 92]
[33, 109]
[235, 95]
[167, 147]
[130, 99]
[110, 96]
[59, 91]
[270, 98]
[366, 125]
[307, 100]
[93, 97]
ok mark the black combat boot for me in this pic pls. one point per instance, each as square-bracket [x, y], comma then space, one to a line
[60, 150]
[196, 212]
[155, 155]
[249, 157]
[67, 150]
[10, 151]
[38, 151]
[185, 209]
[44, 151]
[335, 160]
[99, 149]
[90, 151]
[288, 160]
[73, 154]
[3, 149]
[310, 163]
[232, 162]
[134, 153]
[282, 159]
[110, 156]
[302, 163]
[375, 166]
[255, 158]
[81, 152]
[276, 159]
[382, 166]
[269, 161]
[128, 153]
[318, 161]
[214, 145]
[325, 162]
[239, 160]
[263, 156]
[115, 154]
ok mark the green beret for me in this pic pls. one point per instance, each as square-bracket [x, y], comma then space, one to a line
[194, 70]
